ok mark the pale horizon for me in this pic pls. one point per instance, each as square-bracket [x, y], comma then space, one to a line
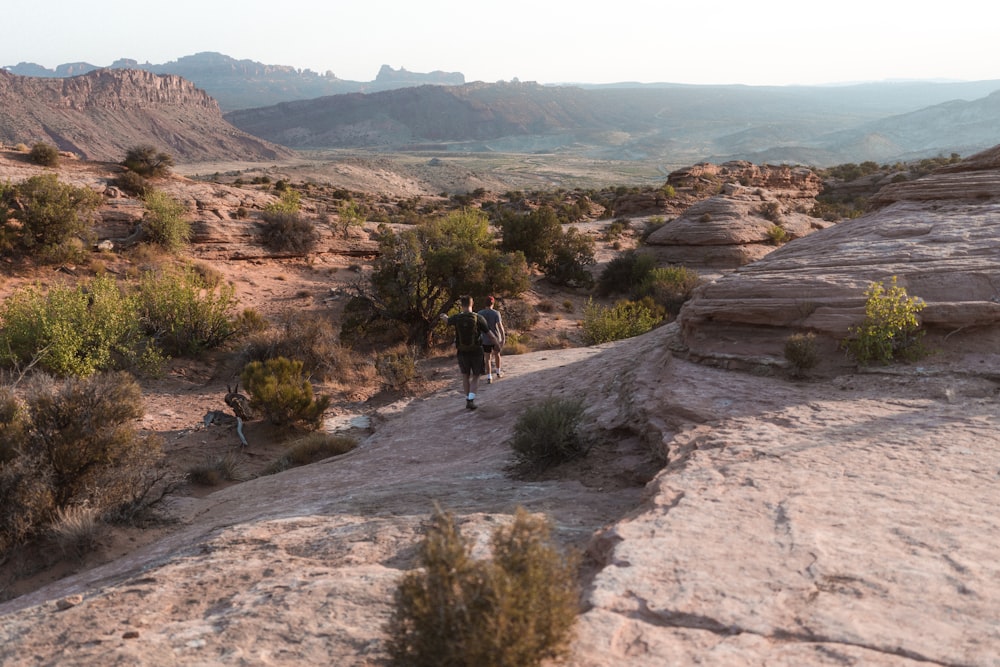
[769, 43]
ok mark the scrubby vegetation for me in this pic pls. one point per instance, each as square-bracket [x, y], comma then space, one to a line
[164, 222]
[71, 444]
[148, 161]
[625, 319]
[516, 609]
[44, 154]
[310, 449]
[547, 434]
[801, 353]
[278, 388]
[890, 330]
[54, 217]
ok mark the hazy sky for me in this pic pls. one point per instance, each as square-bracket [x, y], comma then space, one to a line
[767, 42]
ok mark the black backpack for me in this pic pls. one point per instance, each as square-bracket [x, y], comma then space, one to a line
[467, 333]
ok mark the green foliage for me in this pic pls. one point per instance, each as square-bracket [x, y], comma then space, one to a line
[290, 201]
[623, 320]
[517, 609]
[314, 447]
[667, 286]
[518, 315]
[44, 154]
[624, 272]
[571, 254]
[777, 235]
[81, 449]
[421, 271]
[164, 222]
[183, 314]
[548, 433]
[890, 330]
[288, 231]
[349, 215]
[146, 161]
[133, 183]
[279, 390]
[74, 330]
[534, 234]
[51, 212]
[801, 353]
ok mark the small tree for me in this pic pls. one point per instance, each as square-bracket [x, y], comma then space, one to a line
[147, 161]
[890, 329]
[52, 212]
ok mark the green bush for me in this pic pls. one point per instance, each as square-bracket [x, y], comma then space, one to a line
[147, 161]
[52, 213]
[548, 433]
[624, 272]
[516, 609]
[623, 320]
[44, 154]
[290, 200]
[567, 264]
[286, 231]
[133, 183]
[82, 449]
[75, 330]
[278, 389]
[667, 286]
[776, 234]
[890, 330]
[801, 353]
[164, 222]
[183, 314]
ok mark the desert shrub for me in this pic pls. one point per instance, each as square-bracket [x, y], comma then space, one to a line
[290, 201]
[13, 426]
[164, 222]
[226, 468]
[52, 213]
[548, 433]
[516, 609]
[776, 234]
[567, 264]
[182, 314]
[133, 183]
[147, 161]
[397, 366]
[349, 215]
[77, 530]
[623, 320]
[519, 315]
[890, 329]
[624, 272]
[771, 210]
[801, 353]
[667, 286]
[287, 231]
[75, 330]
[513, 344]
[533, 234]
[21, 147]
[82, 449]
[44, 154]
[279, 390]
[310, 449]
[250, 321]
[615, 229]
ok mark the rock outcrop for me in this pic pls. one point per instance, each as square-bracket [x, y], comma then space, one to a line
[937, 235]
[102, 114]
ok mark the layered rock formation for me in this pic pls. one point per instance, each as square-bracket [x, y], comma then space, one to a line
[937, 235]
[102, 114]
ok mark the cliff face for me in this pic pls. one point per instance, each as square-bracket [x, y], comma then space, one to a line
[101, 114]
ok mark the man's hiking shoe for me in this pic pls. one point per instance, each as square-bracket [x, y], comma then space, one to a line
[470, 404]
[499, 374]
[489, 379]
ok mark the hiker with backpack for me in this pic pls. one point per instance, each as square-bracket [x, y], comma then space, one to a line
[469, 328]
[493, 338]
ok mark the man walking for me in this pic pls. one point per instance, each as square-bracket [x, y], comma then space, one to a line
[493, 339]
[469, 327]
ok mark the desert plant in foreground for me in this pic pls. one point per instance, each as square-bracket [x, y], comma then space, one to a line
[801, 353]
[516, 609]
[890, 329]
[548, 433]
[183, 314]
[77, 530]
[52, 213]
[279, 390]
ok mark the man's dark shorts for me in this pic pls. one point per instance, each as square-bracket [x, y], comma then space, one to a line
[487, 349]
[472, 362]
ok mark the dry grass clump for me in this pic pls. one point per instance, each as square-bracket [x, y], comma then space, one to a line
[310, 449]
[226, 468]
[548, 433]
[516, 609]
[77, 531]
[396, 367]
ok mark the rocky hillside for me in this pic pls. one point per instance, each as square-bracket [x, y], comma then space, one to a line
[101, 114]
[242, 84]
